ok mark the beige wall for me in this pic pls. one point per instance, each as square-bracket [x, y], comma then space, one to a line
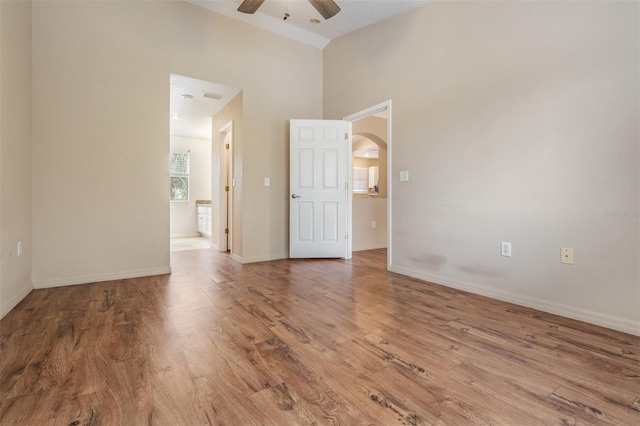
[101, 129]
[15, 152]
[364, 162]
[518, 121]
[366, 210]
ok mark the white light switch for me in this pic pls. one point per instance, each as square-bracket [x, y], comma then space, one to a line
[404, 176]
[267, 182]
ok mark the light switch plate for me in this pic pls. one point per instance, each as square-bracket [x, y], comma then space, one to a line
[566, 255]
[505, 249]
[404, 176]
[267, 182]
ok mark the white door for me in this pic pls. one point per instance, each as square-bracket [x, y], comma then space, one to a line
[318, 188]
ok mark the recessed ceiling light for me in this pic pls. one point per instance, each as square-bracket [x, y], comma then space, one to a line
[187, 96]
[314, 21]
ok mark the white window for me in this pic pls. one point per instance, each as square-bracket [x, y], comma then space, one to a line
[179, 172]
[373, 177]
[360, 175]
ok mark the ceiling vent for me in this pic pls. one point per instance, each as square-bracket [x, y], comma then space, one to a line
[210, 95]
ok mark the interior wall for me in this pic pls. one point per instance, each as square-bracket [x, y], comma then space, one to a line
[101, 129]
[517, 121]
[15, 153]
[365, 211]
[183, 215]
[364, 162]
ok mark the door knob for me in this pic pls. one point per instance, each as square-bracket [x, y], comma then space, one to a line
[296, 196]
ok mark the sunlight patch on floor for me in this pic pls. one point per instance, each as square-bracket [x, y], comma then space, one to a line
[189, 243]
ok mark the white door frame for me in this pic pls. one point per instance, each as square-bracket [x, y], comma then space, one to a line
[225, 242]
[386, 105]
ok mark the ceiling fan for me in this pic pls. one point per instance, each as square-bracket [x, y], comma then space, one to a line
[326, 8]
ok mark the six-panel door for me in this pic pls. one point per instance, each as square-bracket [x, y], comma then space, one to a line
[318, 192]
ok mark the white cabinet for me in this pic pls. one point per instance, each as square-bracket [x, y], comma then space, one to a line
[204, 220]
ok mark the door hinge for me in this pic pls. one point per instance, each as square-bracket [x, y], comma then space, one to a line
[346, 235]
[346, 136]
[226, 188]
[226, 146]
[346, 186]
[226, 230]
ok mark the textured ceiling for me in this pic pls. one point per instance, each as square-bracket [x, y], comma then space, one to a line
[355, 14]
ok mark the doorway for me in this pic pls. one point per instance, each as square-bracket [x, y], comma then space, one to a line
[225, 213]
[371, 208]
[195, 105]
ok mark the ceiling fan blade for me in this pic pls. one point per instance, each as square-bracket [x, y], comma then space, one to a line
[250, 6]
[326, 8]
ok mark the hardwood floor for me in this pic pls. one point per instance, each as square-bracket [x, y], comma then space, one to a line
[304, 342]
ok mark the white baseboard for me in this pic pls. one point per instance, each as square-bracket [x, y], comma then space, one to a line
[185, 235]
[373, 247]
[608, 321]
[13, 302]
[257, 259]
[61, 282]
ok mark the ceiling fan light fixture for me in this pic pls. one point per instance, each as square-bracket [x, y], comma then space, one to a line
[250, 6]
[326, 8]
[314, 21]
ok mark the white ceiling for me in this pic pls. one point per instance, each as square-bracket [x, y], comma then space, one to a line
[354, 14]
[191, 117]
[363, 147]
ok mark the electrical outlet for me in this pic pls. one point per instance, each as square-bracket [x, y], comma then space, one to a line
[19, 248]
[373, 223]
[505, 249]
[566, 256]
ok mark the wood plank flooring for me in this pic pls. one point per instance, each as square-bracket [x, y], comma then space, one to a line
[304, 342]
